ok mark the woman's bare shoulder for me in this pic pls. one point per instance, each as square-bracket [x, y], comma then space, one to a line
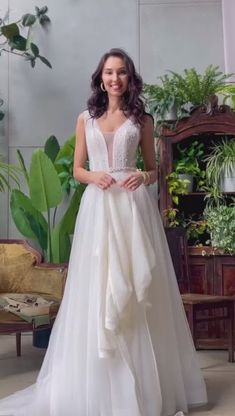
[148, 120]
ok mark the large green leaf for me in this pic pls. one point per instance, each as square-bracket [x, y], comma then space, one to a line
[22, 165]
[18, 42]
[45, 61]
[66, 150]
[61, 245]
[69, 218]
[44, 183]
[28, 220]
[10, 30]
[28, 19]
[52, 148]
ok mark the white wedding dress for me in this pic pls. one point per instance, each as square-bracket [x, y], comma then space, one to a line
[120, 345]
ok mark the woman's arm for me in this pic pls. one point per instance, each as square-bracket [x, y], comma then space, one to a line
[148, 152]
[101, 179]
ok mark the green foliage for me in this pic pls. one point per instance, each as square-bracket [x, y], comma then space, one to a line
[173, 218]
[228, 91]
[188, 156]
[162, 98]
[8, 173]
[185, 90]
[28, 219]
[221, 225]
[197, 88]
[221, 160]
[195, 229]
[52, 148]
[46, 194]
[17, 36]
[177, 186]
[64, 165]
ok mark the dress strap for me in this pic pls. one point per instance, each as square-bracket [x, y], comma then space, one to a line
[86, 115]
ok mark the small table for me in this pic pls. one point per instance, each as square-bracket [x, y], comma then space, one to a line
[194, 303]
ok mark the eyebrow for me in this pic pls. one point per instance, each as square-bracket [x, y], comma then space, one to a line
[110, 69]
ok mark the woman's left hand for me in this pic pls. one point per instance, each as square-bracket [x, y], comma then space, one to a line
[133, 181]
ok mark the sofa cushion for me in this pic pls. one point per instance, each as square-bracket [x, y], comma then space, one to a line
[19, 274]
[15, 263]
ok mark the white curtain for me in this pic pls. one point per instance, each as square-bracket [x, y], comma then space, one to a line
[228, 8]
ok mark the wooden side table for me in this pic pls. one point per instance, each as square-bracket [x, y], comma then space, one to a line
[195, 303]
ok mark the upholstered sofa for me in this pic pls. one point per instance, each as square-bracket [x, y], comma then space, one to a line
[30, 290]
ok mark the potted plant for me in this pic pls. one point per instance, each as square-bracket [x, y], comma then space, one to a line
[176, 94]
[220, 167]
[197, 88]
[221, 225]
[177, 186]
[52, 235]
[186, 166]
[165, 100]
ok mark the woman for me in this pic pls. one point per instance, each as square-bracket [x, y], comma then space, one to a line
[120, 345]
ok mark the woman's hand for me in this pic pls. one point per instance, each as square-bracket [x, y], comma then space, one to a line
[133, 181]
[103, 180]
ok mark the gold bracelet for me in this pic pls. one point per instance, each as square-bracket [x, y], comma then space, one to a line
[148, 177]
[143, 173]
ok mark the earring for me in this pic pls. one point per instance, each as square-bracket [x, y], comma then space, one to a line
[102, 87]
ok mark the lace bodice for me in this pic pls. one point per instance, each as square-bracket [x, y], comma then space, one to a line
[124, 146]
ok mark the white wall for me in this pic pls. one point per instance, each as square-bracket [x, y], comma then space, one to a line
[159, 35]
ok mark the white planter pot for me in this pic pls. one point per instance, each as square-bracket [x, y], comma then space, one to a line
[227, 181]
[171, 114]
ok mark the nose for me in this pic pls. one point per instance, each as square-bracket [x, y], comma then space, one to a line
[115, 76]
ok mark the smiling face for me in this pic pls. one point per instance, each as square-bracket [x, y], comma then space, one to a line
[114, 76]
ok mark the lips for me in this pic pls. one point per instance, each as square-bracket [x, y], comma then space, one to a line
[116, 87]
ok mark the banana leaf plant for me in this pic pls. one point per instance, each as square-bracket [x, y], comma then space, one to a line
[8, 173]
[35, 214]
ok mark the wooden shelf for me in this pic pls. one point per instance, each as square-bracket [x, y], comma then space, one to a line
[205, 193]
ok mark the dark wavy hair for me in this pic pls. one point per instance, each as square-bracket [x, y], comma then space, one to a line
[132, 102]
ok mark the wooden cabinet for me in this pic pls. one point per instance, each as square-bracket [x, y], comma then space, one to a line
[208, 273]
[212, 274]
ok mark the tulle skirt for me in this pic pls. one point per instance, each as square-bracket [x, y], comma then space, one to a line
[120, 345]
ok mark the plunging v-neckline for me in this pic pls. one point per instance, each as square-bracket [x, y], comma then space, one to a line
[114, 131]
[102, 134]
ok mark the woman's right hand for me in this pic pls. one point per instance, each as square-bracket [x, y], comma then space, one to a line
[103, 180]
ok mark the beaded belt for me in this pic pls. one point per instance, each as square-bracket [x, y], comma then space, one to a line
[124, 169]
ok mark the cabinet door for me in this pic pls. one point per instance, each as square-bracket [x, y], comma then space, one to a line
[201, 274]
[225, 275]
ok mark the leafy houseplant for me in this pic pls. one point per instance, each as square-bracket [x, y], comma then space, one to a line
[177, 186]
[15, 41]
[44, 197]
[186, 166]
[221, 165]
[8, 172]
[221, 225]
[186, 90]
[197, 88]
[165, 101]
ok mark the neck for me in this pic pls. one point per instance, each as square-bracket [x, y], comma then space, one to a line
[114, 104]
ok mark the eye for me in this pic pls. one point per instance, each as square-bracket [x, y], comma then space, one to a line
[123, 71]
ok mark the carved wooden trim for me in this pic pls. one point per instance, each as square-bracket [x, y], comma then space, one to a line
[203, 119]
